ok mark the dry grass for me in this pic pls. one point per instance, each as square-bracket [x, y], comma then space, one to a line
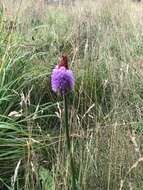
[104, 42]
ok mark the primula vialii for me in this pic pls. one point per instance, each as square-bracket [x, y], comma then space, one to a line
[62, 79]
[62, 82]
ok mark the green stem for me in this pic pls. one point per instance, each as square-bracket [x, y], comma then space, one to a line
[68, 142]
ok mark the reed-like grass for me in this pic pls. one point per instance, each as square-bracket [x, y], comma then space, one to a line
[105, 45]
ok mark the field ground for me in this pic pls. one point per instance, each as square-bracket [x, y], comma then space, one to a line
[104, 41]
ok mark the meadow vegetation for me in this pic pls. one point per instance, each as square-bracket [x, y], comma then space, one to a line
[104, 41]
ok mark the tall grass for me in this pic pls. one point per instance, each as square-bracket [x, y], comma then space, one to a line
[105, 43]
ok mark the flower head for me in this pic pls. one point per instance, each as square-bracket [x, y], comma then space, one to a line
[64, 61]
[62, 79]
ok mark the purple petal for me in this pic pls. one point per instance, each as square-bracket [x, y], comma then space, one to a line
[62, 80]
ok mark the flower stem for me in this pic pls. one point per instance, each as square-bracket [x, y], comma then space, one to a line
[68, 142]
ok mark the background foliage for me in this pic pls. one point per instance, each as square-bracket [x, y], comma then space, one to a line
[104, 41]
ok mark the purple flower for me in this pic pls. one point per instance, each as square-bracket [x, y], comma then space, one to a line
[62, 80]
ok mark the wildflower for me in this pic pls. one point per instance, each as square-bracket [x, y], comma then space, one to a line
[62, 79]
[62, 82]
[14, 114]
